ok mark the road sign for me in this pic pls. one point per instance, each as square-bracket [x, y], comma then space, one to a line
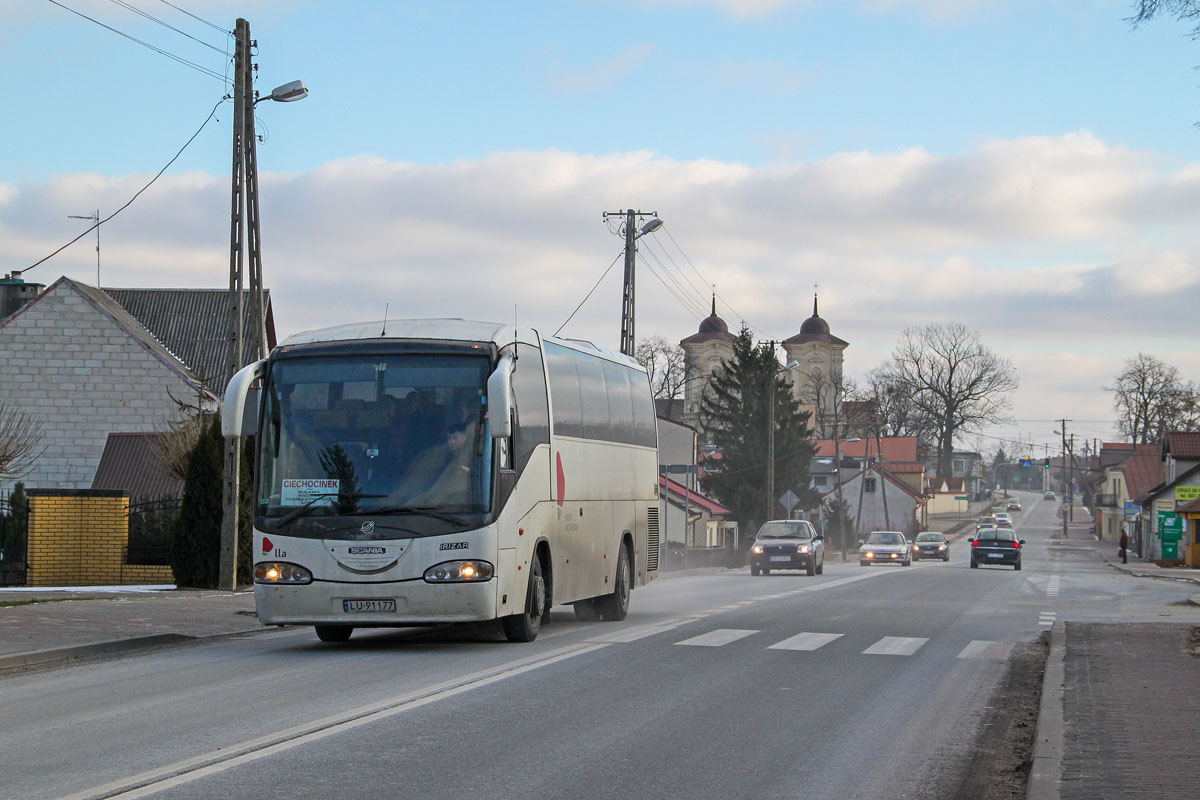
[1170, 528]
[1170, 549]
[1132, 510]
[1026, 463]
[789, 500]
[966, 497]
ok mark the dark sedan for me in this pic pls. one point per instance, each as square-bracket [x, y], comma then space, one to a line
[931, 544]
[996, 546]
[787, 544]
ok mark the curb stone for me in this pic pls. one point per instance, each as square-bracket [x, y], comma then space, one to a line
[1045, 775]
[42, 657]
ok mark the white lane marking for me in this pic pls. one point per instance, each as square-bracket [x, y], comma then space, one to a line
[805, 641]
[717, 638]
[896, 646]
[1046, 619]
[1052, 587]
[642, 631]
[190, 769]
[992, 651]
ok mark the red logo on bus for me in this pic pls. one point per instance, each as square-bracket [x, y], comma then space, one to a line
[561, 481]
[267, 546]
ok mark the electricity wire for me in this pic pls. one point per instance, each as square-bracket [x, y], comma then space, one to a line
[193, 16]
[752, 327]
[680, 294]
[199, 68]
[589, 294]
[139, 191]
[153, 18]
[686, 289]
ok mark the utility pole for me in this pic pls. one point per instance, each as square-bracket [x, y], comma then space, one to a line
[1064, 475]
[771, 434]
[628, 340]
[95, 217]
[242, 103]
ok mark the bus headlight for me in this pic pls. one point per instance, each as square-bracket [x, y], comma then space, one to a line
[459, 572]
[279, 572]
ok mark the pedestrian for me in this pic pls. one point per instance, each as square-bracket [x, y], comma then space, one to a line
[1123, 552]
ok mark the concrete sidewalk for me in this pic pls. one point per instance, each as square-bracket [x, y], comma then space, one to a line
[46, 625]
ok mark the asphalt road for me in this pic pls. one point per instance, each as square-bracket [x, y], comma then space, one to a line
[862, 682]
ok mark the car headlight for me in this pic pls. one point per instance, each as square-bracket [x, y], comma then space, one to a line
[941, 547]
[916, 547]
[757, 548]
[459, 572]
[280, 572]
[869, 554]
[895, 555]
[802, 548]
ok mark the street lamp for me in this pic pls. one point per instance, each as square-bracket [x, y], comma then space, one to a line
[287, 93]
[771, 432]
[837, 466]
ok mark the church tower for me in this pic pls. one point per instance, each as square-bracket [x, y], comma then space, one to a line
[704, 352]
[818, 354]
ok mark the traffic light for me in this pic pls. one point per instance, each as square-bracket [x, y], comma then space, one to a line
[1046, 463]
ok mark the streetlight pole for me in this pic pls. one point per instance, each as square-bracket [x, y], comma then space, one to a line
[841, 508]
[771, 391]
[632, 234]
[244, 207]
[95, 217]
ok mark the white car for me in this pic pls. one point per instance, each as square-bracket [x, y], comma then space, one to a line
[885, 547]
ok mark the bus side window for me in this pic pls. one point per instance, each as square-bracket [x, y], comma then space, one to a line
[504, 452]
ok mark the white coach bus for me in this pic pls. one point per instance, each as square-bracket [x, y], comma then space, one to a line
[436, 471]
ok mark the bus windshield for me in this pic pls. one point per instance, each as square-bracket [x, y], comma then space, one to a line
[401, 434]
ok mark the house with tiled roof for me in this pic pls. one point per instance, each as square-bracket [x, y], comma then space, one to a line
[1129, 480]
[84, 366]
[1180, 452]
[686, 515]
[878, 499]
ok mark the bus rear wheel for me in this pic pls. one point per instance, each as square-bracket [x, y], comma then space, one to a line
[334, 633]
[613, 607]
[524, 627]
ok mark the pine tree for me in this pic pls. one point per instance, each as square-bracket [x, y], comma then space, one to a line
[734, 417]
[196, 545]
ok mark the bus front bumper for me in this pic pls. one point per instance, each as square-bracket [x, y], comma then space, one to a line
[375, 605]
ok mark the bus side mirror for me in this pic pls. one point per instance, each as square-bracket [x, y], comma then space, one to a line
[239, 409]
[499, 389]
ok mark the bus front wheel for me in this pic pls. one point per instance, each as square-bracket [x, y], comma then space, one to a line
[613, 607]
[524, 627]
[334, 633]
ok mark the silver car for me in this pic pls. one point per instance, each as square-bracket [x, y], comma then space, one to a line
[885, 547]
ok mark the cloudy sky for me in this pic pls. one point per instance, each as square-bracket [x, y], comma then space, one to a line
[1024, 167]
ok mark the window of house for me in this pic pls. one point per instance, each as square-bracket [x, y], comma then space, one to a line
[868, 484]
[820, 480]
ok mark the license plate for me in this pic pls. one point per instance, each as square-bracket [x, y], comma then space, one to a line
[995, 555]
[779, 558]
[352, 606]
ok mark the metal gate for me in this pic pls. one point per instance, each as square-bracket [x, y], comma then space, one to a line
[14, 539]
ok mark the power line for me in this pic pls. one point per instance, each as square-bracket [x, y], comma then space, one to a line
[683, 304]
[193, 16]
[159, 50]
[139, 191]
[701, 292]
[681, 296]
[620, 255]
[153, 18]
[707, 282]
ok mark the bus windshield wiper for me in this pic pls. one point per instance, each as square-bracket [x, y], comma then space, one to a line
[304, 509]
[424, 511]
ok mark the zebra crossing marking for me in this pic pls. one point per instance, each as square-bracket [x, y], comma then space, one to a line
[984, 650]
[805, 641]
[896, 646]
[717, 638]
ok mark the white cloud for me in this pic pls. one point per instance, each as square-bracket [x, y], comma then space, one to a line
[1064, 251]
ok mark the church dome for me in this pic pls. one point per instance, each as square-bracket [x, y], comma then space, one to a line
[814, 324]
[714, 324]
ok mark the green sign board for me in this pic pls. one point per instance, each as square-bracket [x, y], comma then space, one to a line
[1170, 528]
[1170, 549]
[962, 497]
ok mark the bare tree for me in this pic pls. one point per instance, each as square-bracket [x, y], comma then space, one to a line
[953, 380]
[178, 435]
[897, 411]
[20, 442]
[1151, 400]
[666, 366]
[1183, 10]
[828, 394]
